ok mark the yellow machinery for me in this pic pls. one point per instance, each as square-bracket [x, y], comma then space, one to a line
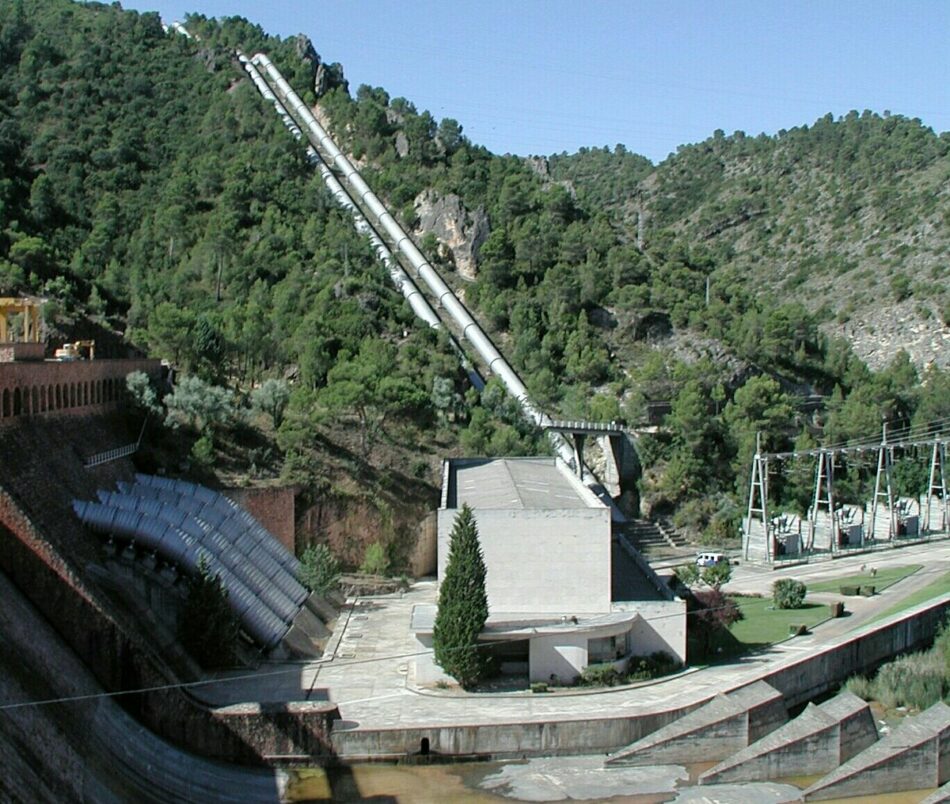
[30, 310]
[80, 350]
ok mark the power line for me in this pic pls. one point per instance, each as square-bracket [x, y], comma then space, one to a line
[184, 685]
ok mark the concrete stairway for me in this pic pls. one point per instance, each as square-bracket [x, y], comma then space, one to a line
[817, 741]
[914, 756]
[654, 539]
[671, 533]
[714, 731]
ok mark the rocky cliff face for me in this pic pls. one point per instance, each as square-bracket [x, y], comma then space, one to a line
[459, 230]
[325, 76]
[878, 332]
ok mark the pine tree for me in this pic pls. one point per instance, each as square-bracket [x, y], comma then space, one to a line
[207, 627]
[463, 603]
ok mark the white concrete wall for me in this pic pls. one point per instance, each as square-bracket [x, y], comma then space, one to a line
[661, 626]
[938, 521]
[541, 561]
[564, 656]
[426, 671]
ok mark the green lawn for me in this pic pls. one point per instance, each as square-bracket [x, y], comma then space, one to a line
[760, 627]
[880, 580]
[936, 588]
[764, 625]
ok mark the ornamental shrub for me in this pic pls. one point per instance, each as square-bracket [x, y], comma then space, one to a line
[787, 593]
[600, 675]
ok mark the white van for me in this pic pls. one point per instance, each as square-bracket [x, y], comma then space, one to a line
[710, 559]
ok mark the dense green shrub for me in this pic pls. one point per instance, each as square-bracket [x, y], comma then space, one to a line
[207, 628]
[375, 561]
[860, 686]
[787, 593]
[319, 570]
[657, 664]
[916, 681]
[600, 675]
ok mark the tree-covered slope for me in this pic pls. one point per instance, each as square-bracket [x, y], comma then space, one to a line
[851, 217]
[145, 184]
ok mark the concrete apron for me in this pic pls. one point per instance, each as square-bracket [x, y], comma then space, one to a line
[480, 726]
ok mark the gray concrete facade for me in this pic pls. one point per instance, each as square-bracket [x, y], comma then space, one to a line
[549, 550]
[717, 729]
[817, 741]
[915, 756]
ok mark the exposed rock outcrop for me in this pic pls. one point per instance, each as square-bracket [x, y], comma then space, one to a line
[459, 230]
[878, 332]
[540, 166]
[325, 76]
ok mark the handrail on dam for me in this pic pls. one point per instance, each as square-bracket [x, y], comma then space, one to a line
[380, 217]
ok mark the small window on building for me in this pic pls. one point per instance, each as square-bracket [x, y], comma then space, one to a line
[605, 649]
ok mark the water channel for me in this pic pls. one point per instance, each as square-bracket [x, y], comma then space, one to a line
[581, 778]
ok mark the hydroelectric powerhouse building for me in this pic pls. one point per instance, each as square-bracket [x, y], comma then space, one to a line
[564, 591]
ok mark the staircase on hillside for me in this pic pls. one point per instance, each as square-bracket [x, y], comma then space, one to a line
[656, 538]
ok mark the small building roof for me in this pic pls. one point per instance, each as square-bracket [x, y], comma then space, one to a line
[509, 626]
[514, 483]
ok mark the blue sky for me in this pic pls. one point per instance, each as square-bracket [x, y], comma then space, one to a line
[532, 77]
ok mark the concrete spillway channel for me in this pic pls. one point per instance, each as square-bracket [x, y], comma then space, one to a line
[819, 740]
[383, 220]
[87, 747]
[717, 729]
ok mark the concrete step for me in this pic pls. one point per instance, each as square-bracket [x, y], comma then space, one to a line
[647, 537]
[817, 741]
[725, 724]
[914, 756]
[940, 796]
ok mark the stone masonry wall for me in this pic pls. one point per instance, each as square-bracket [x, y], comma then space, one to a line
[67, 388]
[272, 506]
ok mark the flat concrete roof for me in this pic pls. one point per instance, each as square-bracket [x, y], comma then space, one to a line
[522, 483]
[422, 621]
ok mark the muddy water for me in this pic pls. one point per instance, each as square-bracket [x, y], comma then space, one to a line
[545, 779]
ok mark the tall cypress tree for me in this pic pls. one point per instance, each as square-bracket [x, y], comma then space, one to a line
[463, 604]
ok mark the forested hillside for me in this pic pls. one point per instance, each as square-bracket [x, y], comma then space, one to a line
[146, 186]
[849, 216]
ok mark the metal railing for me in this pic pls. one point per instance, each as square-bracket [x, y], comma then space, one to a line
[118, 452]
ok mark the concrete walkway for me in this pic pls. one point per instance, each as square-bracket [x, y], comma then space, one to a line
[370, 675]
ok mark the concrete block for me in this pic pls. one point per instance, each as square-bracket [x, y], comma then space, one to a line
[714, 731]
[914, 756]
[940, 796]
[817, 741]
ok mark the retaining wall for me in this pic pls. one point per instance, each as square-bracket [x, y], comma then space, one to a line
[799, 681]
[66, 388]
[273, 507]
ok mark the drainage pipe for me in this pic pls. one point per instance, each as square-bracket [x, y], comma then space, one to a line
[384, 219]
